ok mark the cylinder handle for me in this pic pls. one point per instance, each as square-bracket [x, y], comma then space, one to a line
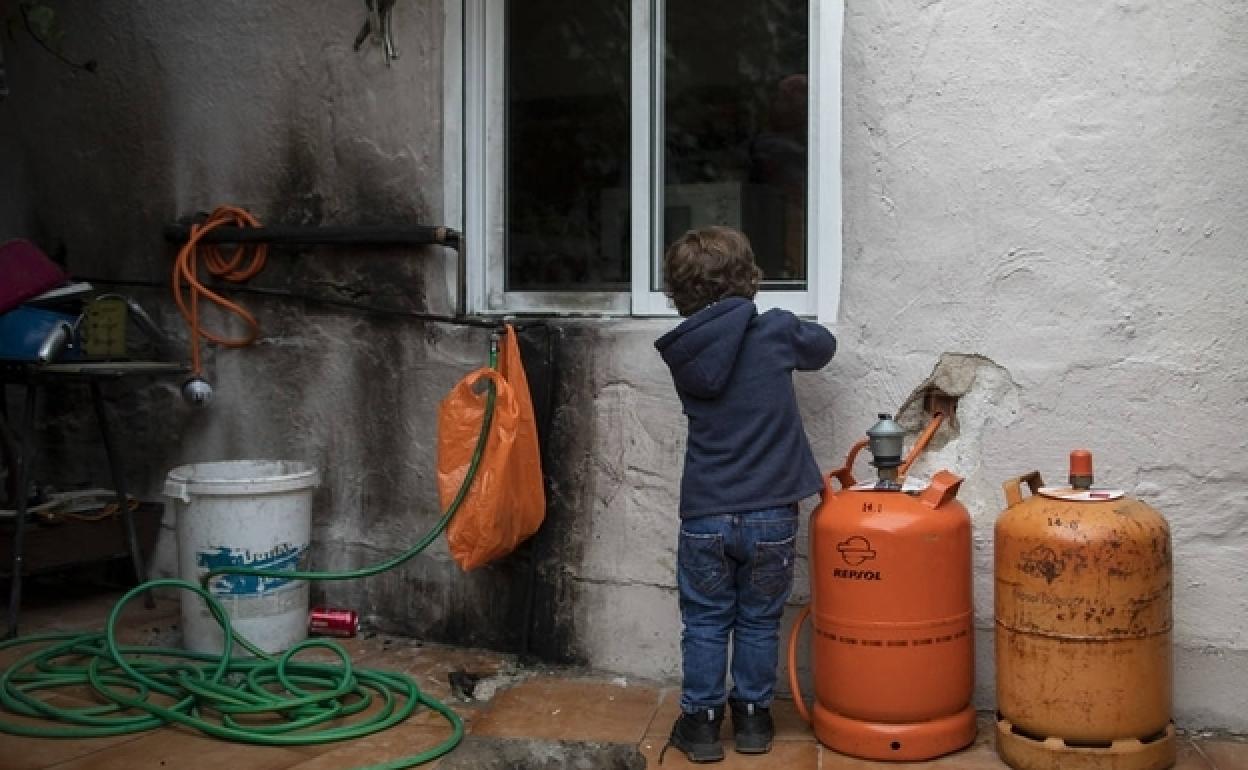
[845, 474]
[1014, 487]
[944, 487]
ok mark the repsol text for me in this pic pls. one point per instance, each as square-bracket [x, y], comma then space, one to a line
[856, 574]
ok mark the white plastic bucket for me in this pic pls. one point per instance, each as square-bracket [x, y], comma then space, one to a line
[246, 513]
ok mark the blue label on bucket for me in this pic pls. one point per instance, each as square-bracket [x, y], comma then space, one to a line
[283, 556]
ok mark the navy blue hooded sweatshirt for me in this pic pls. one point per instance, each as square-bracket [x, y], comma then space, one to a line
[733, 369]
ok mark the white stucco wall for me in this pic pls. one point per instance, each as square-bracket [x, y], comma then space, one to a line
[1059, 190]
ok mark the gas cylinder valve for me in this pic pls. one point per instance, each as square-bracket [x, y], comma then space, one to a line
[884, 440]
[1081, 469]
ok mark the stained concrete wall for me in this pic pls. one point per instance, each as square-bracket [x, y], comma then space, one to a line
[13, 206]
[1048, 200]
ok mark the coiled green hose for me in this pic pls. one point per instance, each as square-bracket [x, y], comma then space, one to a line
[264, 700]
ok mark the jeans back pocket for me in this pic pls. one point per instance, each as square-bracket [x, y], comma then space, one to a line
[771, 572]
[701, 561]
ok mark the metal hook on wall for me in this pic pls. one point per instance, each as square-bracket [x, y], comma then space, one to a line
[379, 25]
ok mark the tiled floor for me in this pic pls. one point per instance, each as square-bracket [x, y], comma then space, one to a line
[511, 707]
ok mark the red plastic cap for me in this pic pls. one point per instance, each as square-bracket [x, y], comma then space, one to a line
[1080, 463]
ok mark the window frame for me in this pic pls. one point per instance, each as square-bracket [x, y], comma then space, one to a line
[475, 183]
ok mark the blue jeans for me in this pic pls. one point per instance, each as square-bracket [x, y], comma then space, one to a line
[735, 572]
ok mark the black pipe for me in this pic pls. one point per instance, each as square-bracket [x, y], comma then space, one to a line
[518, 323]
[342, 235]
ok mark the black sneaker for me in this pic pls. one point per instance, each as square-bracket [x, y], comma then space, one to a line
[697, 735]
[752, 727]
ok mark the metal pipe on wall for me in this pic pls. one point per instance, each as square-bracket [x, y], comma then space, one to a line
[343, 235]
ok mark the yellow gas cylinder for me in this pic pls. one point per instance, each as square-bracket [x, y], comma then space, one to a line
[1083, 622]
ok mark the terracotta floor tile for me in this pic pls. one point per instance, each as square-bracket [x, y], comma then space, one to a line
[178, 749]
[1211, 754]
[40, 753]
[551, 708]
[1226, 755]
[784, 755]
[19, 753]
[398, 742]
[977, 757]
[665, 713]
[789, 724]
[78, 613]
[91, 613]
[1193, 757]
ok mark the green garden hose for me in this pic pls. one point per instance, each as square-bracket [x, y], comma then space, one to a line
[265, 700]
[421, 545]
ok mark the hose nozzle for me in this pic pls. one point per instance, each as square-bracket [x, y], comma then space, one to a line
[197, 392]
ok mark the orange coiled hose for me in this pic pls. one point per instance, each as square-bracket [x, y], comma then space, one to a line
[246, 261]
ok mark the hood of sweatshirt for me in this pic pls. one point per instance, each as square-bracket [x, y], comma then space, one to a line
[702, 351]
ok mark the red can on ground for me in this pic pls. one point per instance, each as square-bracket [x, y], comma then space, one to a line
[333, 621]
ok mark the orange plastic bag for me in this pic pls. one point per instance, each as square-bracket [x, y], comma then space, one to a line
[506, 502]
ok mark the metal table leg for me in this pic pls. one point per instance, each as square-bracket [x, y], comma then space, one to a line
[25, 453]
[8, 443]
[119, 486]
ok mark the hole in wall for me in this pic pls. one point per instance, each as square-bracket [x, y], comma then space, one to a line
[937, 401]
[975, 394]
[954, 377]
[923, 404]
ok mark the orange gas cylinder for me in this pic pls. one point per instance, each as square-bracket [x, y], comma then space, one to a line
[1083, 625]
[893, 643]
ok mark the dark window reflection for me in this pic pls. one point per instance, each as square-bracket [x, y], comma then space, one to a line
[735, 102]
[568, 69]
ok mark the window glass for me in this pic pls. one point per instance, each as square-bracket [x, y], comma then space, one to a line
[567, 155]
[734, 126]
